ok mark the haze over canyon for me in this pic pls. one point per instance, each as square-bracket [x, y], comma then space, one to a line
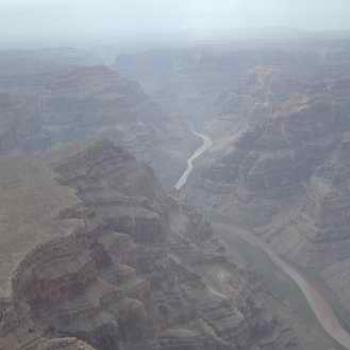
[175, 176]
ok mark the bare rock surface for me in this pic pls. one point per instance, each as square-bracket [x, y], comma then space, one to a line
[285, 176]
[143, 272]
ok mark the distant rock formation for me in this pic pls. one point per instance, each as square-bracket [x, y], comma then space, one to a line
[76, 104]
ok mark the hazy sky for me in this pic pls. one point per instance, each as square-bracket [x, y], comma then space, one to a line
[57, 21]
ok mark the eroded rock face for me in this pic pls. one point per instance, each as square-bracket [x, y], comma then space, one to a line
[286, 177]
[72, 104]
[279, 119]
[161, 281]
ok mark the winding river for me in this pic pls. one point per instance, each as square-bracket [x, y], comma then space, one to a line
[318, 304]
[206, 144]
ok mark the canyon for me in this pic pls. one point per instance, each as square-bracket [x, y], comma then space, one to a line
[278, 118]
[185, 198]
[141, 271]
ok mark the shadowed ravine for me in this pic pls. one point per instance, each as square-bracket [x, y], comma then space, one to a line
[318, 304]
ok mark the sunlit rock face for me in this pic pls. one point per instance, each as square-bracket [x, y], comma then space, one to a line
[142, 272]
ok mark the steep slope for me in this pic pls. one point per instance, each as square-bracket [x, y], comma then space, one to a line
[143, 272]
[287, 179]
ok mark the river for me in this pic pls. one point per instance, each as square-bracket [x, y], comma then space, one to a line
[317, 302]
[206, 144]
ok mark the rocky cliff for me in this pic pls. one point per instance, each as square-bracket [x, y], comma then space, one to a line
[143, 272]
[286, 175]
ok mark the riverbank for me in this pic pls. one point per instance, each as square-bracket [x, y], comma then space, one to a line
[322, 310]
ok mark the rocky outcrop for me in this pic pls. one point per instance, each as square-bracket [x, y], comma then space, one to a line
[144, 272]
[31, 201]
